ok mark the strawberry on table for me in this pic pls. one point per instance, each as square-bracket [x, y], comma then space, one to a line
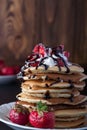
[19, 115]
[41, 118]
[16, 69]
[7, 70]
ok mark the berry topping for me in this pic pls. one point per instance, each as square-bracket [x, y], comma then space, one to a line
[19, 115]
[40, 49]
[32, 57]
[60, 62]
[57, 50]
[8, 70]
[2, 63]
[41, 118]
[48, 57]
[66, 53]
[34, 64]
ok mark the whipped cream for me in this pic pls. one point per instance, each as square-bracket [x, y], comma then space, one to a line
[49, 62]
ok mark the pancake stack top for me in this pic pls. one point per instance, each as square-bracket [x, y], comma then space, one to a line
[49, 77]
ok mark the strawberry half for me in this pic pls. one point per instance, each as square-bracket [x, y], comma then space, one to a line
[33, 57]
[19, 115]
[66, 53]
[41, 118]
[35, 64]
[60, 62]
[40, 49]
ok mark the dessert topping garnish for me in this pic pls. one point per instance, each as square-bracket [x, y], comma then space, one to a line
[48, 57]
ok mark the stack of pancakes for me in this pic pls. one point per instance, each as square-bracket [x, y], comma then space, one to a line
[58, 85]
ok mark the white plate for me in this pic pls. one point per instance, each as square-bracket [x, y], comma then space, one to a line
[4, 114]
[7, 79]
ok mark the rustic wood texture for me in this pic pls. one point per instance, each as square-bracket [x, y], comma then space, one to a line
[24, 23]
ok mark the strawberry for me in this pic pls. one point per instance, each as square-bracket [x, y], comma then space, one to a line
[19, 115]
[60, 62]
[7, 70]
[41, 118]
[61, 47]
[16, 69]
[35, 64]
[33, 57]
[57, 50]
[40, 49]
[66, 53]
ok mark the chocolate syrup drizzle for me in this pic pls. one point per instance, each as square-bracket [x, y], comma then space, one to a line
[71, 87]
[41, 63]
[71, 98]
[47, 95]
[55, 82]
[56, 51]
[65, 64]
[71, 83]
[47, 86]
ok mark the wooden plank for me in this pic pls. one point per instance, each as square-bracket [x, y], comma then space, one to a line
[24, 23]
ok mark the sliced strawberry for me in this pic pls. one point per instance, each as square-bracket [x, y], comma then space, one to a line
[33, 57]
[40, 49]
[60, 62]
[66, 53]
[57, 50]
[61, 47]
[35, 64]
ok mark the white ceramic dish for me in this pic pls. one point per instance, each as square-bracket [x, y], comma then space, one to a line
[4, 113]
[7, 79]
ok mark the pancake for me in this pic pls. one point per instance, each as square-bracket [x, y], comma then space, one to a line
[71, 112]
[52, 101]
[54, 69]
[68, 118]
[69, 124]
[74, 77]
[65, 106]
[53, 107]
[53, 84]
[51, 91]
[53, 95]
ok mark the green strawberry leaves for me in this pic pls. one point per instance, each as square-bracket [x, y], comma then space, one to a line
[41, 107]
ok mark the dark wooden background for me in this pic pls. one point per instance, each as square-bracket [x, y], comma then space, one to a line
[24, 23]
